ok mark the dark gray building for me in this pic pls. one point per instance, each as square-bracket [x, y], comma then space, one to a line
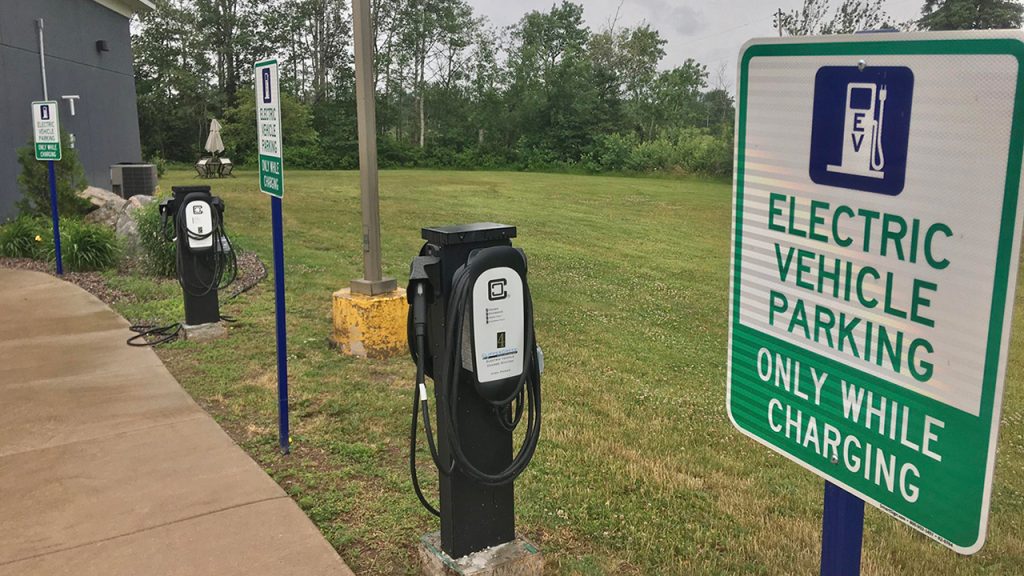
[87, 44]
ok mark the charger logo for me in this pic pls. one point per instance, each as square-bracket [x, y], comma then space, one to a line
[861, 127]
[496, 289]
[44, 112]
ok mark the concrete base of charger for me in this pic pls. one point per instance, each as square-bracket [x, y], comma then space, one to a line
[517, 558]
[204, 332]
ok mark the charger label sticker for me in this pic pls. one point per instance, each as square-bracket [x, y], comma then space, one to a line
[498, 324]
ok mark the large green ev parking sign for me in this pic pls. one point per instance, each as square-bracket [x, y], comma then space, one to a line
[875, 249]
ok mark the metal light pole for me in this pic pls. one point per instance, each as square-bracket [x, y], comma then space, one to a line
[373, 281]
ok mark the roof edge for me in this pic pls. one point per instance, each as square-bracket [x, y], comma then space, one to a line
[127, 8]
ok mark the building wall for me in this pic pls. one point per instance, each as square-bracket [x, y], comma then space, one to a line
[106, 125]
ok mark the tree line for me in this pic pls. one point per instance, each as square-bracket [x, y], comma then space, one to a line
[453, 90]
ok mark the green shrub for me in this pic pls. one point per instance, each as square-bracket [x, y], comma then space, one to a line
[653, 156]
[609, 153]
[25, 237]
[703, 153]
[158, 254]
[34, 182]
[161, 164]
[86, 246]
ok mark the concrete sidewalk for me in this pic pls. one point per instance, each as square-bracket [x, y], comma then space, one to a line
[108, 467]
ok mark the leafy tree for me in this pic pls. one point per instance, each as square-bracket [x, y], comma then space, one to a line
[239, 131]
[631, 55]
[971, 14]
[34, 181]
[174, 97]
[678, 93]
[818, 17]
[312, 37]
[231, 30]
[451, 89]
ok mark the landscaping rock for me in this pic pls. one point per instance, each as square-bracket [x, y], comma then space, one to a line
[108, 206]
[118, 213]
[125, 226]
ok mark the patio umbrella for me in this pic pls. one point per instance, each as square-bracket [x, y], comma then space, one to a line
[214, 144]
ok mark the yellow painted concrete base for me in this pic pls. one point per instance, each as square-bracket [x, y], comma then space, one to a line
[370, 326]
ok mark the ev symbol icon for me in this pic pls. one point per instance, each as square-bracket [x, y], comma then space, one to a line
[267, 91]
[861, 127]
[44, 112]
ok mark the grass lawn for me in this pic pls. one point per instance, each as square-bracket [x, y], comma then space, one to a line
[638, 471]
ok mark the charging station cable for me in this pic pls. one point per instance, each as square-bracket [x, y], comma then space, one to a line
[221, 257]
[524, 397]
[526, 391]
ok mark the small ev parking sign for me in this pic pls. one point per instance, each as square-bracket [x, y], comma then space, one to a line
[46, 130]
[268, 128]
[876, 235]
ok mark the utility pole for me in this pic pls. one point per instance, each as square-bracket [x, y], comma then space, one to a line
[778, 21]
[373, 282]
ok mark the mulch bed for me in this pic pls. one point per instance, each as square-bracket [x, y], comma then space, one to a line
[251, 272]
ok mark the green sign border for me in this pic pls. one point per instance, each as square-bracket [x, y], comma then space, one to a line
[1007, 233]
[60, 150]
[260, 157]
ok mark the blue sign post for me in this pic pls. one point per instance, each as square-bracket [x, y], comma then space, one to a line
[284, 437]
[55, 216]
[268, 135]
[842, 532]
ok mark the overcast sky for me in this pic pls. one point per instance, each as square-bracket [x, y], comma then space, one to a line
[709, 31]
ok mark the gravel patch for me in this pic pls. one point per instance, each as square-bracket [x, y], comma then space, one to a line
[251, 272]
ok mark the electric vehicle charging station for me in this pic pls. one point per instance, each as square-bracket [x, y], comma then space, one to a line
[471, 331]
[194, 220]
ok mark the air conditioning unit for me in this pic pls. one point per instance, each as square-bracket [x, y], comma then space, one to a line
[128, 179]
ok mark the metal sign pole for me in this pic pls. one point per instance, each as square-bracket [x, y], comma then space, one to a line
[842, 532]
[282, 336]
[42, 59]
[54, 214]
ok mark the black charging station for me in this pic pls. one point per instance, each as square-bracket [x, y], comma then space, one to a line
[471, 331]
[194, 219]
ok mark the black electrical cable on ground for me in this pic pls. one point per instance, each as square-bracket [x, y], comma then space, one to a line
[151, 335]
[526, 396]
